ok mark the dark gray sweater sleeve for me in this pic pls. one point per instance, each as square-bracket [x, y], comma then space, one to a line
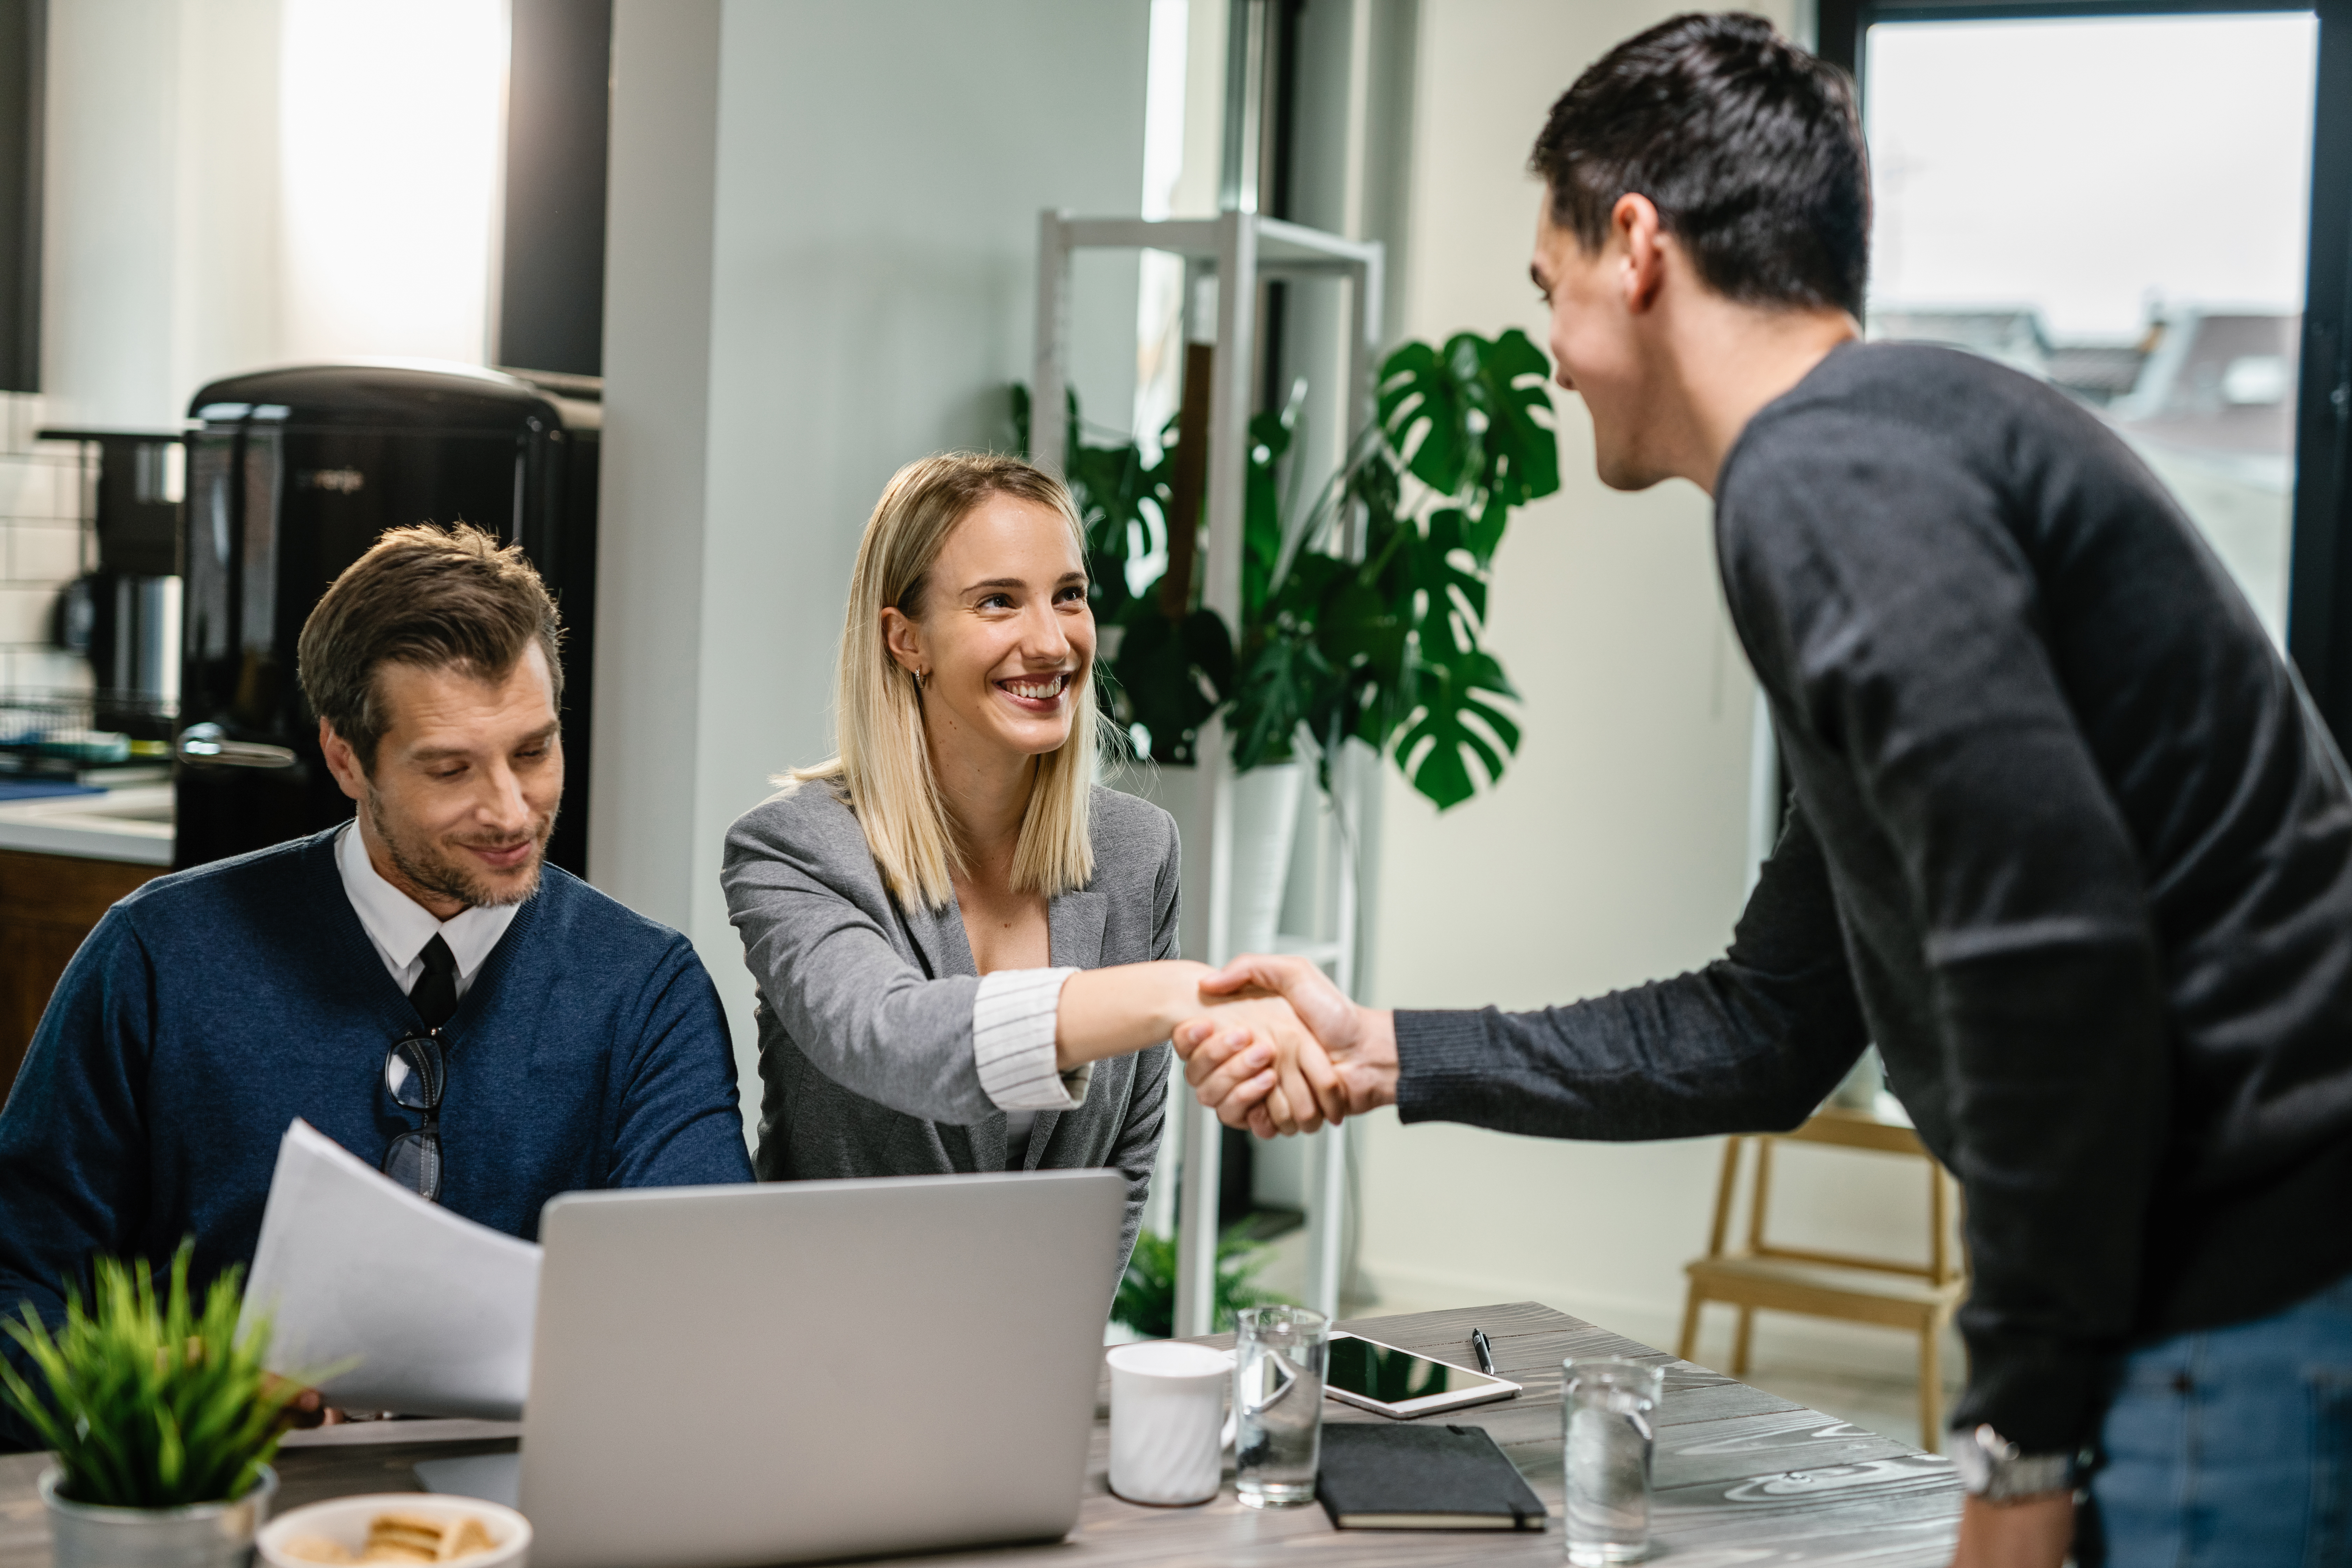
[1750, 1043]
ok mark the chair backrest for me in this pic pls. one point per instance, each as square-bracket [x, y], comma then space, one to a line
[1844, 1130]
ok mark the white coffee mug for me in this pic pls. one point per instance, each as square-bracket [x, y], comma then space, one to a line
[1168, 1425]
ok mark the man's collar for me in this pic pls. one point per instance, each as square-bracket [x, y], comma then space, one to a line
[400, 926]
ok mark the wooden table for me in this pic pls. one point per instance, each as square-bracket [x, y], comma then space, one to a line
[1743, 1476]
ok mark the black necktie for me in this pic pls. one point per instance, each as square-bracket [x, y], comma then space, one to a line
[435, 994]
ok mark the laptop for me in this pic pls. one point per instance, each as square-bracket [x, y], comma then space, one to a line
[726, 1376]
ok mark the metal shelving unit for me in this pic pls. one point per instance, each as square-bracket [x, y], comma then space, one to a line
[1233, 244]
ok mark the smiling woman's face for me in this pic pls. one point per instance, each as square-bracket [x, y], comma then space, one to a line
[1005, 633]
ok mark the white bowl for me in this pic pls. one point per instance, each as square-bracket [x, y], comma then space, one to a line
[345, 1520]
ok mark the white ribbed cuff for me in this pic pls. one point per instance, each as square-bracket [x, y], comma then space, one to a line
[1013, 1017]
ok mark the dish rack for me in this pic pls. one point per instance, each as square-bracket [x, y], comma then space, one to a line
[61, 734]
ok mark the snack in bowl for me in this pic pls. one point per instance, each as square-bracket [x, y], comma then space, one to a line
[376, 1533]
[400, 1538]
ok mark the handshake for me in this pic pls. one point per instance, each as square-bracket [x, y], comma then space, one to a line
[1290, 1052]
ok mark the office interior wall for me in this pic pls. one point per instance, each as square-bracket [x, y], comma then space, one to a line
[234, 183]
[653, 457]
[877, 175]
[1613, 852]
[110, 241]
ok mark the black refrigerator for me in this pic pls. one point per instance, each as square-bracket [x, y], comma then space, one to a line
[292, 475]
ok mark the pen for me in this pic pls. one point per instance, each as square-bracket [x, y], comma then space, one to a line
[1486, 1352]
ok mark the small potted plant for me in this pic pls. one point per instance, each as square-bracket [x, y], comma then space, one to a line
[1146, 1304]
[161, 1419]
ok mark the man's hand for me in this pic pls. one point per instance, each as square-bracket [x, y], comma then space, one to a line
[2032, 1532]
[308, 1408]
[1264, 1052]
[1350, 1063]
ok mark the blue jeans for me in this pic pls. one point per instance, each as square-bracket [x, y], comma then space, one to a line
[2232, 1446]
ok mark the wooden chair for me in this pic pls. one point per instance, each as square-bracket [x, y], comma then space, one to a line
[1764, 1277]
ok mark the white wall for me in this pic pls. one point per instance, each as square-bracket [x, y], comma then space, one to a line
[875, 174]
[233, 184]
[112, 202]
[1614, 851]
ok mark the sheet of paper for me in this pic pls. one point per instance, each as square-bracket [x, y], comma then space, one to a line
[435, 1309]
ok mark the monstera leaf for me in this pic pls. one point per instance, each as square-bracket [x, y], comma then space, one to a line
[1110, 486]
[1474, 424]
[1448, 688]
[1172, 675]
[1278, 693]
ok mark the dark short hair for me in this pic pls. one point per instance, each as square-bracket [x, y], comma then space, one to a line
[1748, 147]
[433, 597]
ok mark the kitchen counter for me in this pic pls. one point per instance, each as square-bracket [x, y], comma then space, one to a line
[131, 825]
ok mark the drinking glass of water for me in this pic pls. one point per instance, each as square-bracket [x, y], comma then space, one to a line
[1609, 1408]
[1278, 1359]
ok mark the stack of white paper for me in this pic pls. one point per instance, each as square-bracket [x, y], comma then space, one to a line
[435, 1309]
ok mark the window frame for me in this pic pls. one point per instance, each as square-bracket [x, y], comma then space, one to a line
[2319, 587]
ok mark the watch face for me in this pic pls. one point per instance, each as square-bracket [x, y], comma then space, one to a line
[1970, 1462]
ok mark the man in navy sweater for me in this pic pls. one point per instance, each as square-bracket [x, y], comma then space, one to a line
[416, 984]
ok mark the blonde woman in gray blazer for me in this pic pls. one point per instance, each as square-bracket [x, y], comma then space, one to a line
[965, 948]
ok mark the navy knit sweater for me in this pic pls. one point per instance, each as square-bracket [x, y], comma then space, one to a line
[211, 1008]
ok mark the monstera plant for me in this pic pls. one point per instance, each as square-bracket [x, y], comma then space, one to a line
[1383, 646]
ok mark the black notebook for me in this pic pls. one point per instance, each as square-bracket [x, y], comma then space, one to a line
[1376, 1476]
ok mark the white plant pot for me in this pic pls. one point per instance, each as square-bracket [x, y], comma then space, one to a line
[209, 1535]
[1266, 825]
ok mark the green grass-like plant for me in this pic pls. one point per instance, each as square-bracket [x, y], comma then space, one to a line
[1147, 1291]
[150, 1403]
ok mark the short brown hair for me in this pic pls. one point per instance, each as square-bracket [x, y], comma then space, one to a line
[428, 597]
[1748, 147]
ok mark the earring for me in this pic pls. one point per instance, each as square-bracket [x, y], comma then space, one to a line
[922, 680]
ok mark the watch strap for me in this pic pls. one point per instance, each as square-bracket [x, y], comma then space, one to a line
[1993, 1468]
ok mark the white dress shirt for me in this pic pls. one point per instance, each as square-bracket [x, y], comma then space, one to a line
[1014, 1017]
[400, 927]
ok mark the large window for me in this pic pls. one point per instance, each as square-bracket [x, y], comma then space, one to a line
[2147, 207]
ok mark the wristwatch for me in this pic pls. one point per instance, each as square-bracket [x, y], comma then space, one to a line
[1992, 1468]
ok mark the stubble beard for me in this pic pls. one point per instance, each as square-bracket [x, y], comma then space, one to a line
[432, 872]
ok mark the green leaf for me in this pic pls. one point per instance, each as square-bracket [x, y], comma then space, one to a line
[1171, 677]
[1278, 692]
[1432, 750]
[150, 1402]
[1270, 437]
[1146, 1302]
[1521, 448]
[1473, 423]
[1017, 401]
[1426, 418]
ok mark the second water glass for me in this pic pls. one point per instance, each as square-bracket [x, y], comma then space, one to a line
[1609, 1410]
[1278, 1366]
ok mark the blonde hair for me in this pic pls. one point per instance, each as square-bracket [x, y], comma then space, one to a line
[885, 766]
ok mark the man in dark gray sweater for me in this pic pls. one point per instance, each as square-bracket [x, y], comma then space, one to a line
[2066, 839]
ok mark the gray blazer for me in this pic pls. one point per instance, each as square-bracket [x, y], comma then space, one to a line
[865, 1012]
